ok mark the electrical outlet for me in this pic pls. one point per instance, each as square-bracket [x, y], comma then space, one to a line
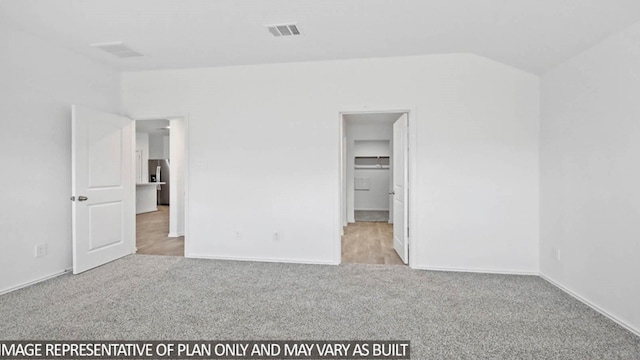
[237, 236]
[201, 164]
[41, 250]
[276, 236]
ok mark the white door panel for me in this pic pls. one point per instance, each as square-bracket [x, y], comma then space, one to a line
[103, 188]
[400, 188]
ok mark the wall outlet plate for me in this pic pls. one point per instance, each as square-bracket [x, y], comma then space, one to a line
[41, 250]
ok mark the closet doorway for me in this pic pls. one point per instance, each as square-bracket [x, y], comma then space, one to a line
[374, 197]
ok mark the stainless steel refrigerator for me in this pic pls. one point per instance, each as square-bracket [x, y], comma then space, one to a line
[159, 172]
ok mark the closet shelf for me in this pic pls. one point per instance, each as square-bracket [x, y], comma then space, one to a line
[372, 166]
[371, 162]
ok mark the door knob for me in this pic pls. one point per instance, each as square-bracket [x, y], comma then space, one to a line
[82, 198]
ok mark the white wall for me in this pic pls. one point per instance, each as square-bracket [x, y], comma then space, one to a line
[39, 82]
[166, 147]
[377, 196]
[159, 147]
[142, 144]
[373, 147]
[590, 176]
[476, 195]
[177, 162]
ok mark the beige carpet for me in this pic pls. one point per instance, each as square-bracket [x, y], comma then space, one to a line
[444, 315]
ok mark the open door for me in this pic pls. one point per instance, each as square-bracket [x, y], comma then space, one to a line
[400, 189]
[102, 187]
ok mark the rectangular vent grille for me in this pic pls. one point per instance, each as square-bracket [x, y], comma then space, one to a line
[284, 30]
[118, 49]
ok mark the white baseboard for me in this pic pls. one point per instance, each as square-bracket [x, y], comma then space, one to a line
[478, 271]
[270, 260]
[176, 234]
[38, 280]
[593, 306]
[144, 211]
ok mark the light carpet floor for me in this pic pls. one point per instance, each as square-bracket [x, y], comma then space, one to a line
[445, 315]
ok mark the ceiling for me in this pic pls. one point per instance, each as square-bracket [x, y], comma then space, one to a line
[153, 127]
[533, 35]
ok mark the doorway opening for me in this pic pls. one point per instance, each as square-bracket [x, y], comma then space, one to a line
[374, 187]
[160, 194]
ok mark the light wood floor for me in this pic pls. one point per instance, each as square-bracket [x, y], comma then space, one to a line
[151, 234]
[369, 243]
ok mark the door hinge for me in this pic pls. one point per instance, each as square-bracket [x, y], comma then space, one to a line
[73, 198]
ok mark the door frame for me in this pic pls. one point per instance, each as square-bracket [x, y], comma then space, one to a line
[185, 119]
[411, 164]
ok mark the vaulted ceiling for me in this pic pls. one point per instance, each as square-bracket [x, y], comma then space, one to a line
[533, 35]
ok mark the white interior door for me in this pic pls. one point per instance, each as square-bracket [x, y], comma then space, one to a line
[102, 188]
[400, 189]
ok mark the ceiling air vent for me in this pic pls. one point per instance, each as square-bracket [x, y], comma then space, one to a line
[284, 30]
[118, 49]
